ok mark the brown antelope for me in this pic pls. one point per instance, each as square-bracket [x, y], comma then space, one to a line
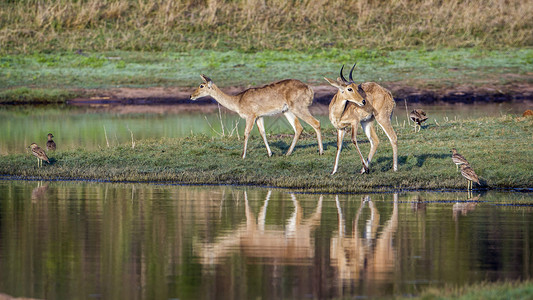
[363, 103]
[290, 97]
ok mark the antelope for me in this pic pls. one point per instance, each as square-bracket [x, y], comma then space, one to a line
[290, 97]
[363, 103]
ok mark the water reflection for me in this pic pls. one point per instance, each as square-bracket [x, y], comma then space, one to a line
[278, 244]
[70, 240]
[464, 208]
[368, 255]
[39, 192]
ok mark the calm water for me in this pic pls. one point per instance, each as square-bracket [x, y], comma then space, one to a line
[95, 128]
[79, 240]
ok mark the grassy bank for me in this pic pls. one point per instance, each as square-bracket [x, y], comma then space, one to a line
[21, 95]
[486, 291]
[58, 76]
[47, 46]
[499, 150]
[253, 25]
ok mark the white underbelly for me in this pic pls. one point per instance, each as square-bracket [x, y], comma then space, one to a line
[280, 110]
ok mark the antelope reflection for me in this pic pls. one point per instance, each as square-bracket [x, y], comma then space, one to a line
[367, 256]
[418, 204]
[292, 244]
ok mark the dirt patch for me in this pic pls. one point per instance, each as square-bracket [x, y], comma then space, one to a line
[165, 99]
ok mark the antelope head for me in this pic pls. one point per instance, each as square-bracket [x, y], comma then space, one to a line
[205, 89]
[348, 90]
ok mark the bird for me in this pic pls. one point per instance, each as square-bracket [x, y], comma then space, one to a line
[39, 153]
[468, 173]
[418, 116]
[50, 145]
[458, 159]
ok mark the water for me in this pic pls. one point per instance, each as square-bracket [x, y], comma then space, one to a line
[80, 240]
[96, 128]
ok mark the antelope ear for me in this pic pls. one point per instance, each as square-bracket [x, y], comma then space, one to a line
[334, 83]
[341, 82]
[207, 80]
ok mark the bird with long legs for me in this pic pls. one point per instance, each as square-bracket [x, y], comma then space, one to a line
[39, 153]
[458, 159]
[470, 175]
[418, 117]
[50, 144]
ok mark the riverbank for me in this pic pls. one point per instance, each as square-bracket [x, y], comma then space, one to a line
[499, 150]
[445, 75]
[487, 290]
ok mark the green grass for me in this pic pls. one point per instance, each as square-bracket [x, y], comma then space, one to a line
[485, 291]
[58, 76]
[499, 150]
[429, 44]
[25, 95]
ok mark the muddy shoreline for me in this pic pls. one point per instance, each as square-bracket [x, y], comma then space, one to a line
[180, 95]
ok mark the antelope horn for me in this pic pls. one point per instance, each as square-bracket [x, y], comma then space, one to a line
[351, 71]
[342, 76]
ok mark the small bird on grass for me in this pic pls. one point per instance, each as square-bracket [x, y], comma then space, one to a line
[50, 145]
[458, 159]
[468, 173]
[39, 153]
[418, 116]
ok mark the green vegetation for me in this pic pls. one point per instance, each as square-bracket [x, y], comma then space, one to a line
[39, 76]
[499, 150]
[23, 95]
[29, 26]
[92, 44]
[486, 291]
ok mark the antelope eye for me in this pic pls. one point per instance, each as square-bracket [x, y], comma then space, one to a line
[201, 86]
[350, 90]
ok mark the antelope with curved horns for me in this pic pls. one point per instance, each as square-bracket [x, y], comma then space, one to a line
[290, 97]
[363, 104]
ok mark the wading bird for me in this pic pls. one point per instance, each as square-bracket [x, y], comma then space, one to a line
[50, 145]
[468, 173]
[290, 97]
[39, 153]
[418, 116]
[458, 159]
[362, 104]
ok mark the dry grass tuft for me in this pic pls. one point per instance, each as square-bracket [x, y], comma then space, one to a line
[252, 25]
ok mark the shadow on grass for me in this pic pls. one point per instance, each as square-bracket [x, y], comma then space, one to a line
[284, 147]
[420, 159]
